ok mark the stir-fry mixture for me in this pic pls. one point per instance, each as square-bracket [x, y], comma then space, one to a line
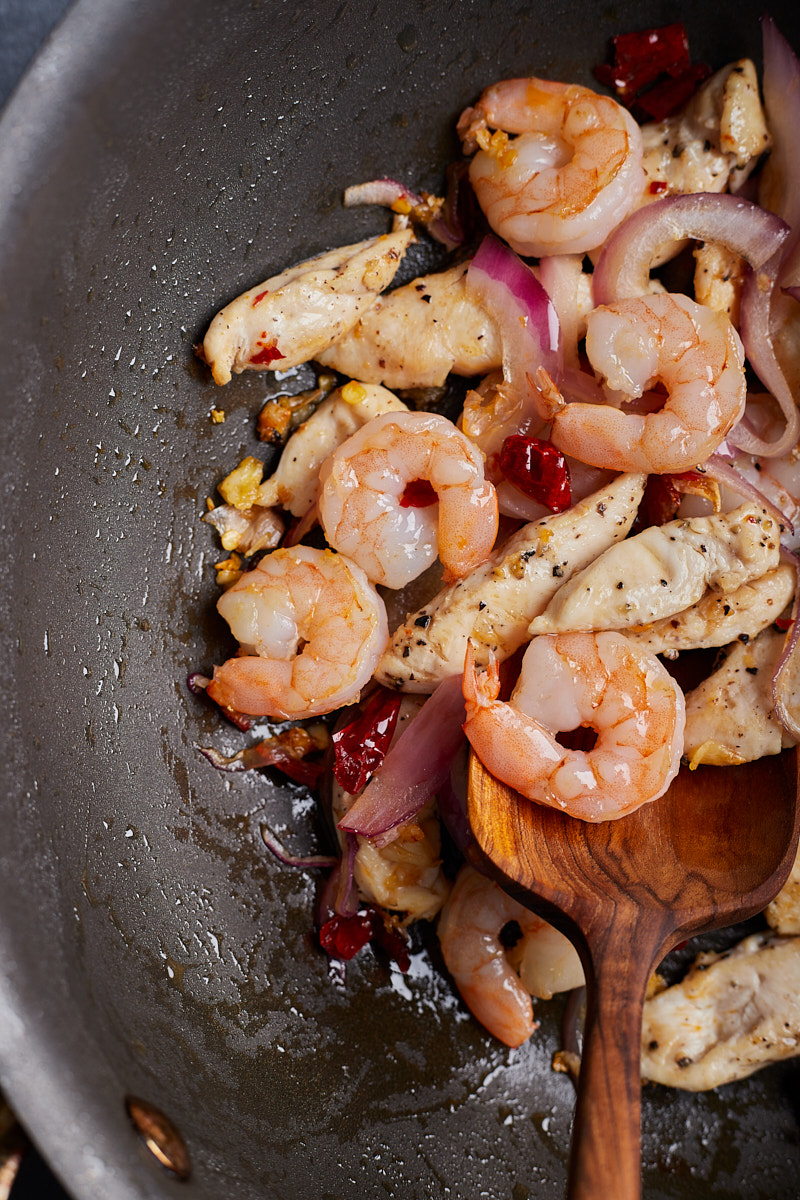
[617, 491]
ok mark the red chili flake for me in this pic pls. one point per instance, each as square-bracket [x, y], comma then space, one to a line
[667, 97]
[657, 57]
[360, 746]
[269, 354]
[639, 58]
[418, 493]
[537, 468]
[392, 942]
[656, 186]
[257, 299]
[343, 937]
[784, 623]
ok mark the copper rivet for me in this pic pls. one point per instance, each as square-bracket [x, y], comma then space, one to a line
[160, 1136]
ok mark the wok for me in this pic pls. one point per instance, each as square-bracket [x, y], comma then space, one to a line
[158, 159]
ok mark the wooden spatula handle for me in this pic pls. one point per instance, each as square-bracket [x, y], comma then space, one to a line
[605, 1156]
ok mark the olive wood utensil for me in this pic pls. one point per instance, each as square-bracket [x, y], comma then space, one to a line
[712, 851]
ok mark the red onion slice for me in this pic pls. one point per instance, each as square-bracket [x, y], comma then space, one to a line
[723, 472]
[414, 769]
[528, 323]
[275, 845]
[437, 217]
[781, 86]
[623, 269]
[755, 327]
[784, 690]
[560, 276]
[385, 192]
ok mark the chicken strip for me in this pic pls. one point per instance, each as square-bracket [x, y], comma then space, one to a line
[494, 604]
[732, 1013]
[663, 570]
[418, 334]
[730, 717]
[783, 914]
[720, 618]
[294, 316]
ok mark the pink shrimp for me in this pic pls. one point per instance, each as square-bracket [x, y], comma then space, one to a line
[596, 680]
[496, 982]
[571, 175]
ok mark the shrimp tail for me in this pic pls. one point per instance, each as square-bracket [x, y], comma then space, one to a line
[480, 691]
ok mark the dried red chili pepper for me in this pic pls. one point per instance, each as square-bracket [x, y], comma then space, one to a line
[784, 623]
[343, 937]
[640, 57]
[418, 493]
[659, 502]
[668, 96]
[360, 746]
[650, 57]
[537, 468]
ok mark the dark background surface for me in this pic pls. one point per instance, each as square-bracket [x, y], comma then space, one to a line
[24, 24]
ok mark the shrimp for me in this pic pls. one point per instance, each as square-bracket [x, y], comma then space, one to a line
[600, 681]
[497, 993]
[697, 355]
[369, 513]
[568, 179]
[312, 629]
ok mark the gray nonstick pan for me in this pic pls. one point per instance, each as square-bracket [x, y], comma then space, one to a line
[160, 157]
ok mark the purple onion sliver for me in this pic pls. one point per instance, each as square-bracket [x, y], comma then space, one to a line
[346, 899]
[221, 761]
[756, 333]
[623, 269]
[197, 682]
[716, 468]
[295, 860]
[379, 191]
[793, 291]
[496, 262]
[415, 767]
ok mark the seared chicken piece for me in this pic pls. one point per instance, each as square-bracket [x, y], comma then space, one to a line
[714, 142]
[720, 618]
[730, 717]
[494, 604]
[783, 914]
[294, 316]
[418, 334]
[733, 1013]
[663, 570]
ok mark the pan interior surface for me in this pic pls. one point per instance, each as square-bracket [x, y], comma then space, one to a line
[158, 160]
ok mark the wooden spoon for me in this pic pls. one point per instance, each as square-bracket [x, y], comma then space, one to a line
[712, 851]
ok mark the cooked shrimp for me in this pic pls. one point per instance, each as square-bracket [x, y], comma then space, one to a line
[694, 352]
[599, 681]
[311, 627]
[495, 992]
[571, 176]
[368, 513]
